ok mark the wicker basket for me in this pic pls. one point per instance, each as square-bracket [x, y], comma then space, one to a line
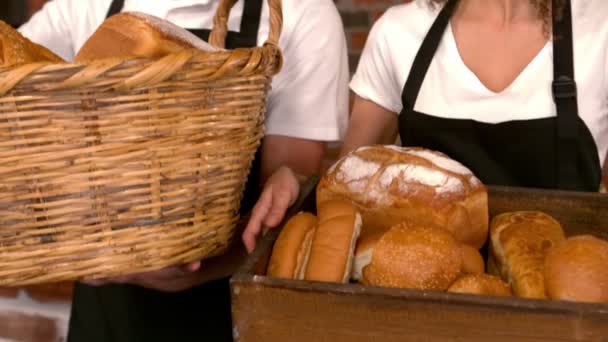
[121, 166]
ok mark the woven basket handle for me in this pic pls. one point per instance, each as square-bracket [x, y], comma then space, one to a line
[220, 23]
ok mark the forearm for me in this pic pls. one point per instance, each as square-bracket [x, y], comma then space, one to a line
[302, 156]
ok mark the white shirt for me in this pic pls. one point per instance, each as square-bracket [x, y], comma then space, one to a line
[309, 97]
[451, 90]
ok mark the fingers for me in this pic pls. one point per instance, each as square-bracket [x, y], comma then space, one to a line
[280, 203]
[258, 214]
[191, 267]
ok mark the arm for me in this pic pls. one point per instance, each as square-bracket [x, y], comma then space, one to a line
[369, 124]
[309, 106]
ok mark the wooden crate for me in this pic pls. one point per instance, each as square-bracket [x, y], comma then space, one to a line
[269, 309]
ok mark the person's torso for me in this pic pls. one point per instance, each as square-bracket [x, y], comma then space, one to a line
[463, 96]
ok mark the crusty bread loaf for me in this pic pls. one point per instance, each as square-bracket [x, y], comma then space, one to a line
[481, 284]
[391, 184]
[520, 241]
[333, 244]
[472, 261]
[15, 49]
[577, 270]
[414, 256]
[134, 34]
[292, 247]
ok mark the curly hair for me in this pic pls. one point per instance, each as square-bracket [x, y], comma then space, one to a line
[542, 6]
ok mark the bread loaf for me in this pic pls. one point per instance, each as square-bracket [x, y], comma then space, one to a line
[134, 34]
[15, 49]
[333, 243]
[481, 284]
[363, 254]
[390, 184]
[414, 256]
[292, 247]
[519, 243]
[577, 270]
[472, 261]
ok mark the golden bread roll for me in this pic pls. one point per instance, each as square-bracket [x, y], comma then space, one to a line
[333, 243]
[363, 254]
[414, 256]
[133, 34]
[292, 247]
[577, 270]
[520, 242]
[391, 184]
[472, 261]
[481, 284]
[15, 49]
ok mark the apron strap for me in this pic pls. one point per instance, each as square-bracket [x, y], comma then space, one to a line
[115, 7]
[425, 55]
[565, 97]
[250, 24]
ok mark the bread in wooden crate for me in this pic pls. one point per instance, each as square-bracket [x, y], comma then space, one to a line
[390, 184]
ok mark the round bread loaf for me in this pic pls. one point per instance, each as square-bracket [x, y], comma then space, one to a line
[577, 270]
[414, 256]
[472, 261]
[481, 284]
[391, 184]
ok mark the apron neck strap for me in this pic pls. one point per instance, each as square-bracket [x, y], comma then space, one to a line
[425, 56]
[115, 7]
[564, 96]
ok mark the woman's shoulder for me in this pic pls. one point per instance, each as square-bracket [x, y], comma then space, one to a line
[411, 19]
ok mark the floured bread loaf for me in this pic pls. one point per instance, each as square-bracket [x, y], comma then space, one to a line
[134, 34]
[391, 184]
[15, 49]
[520, 242]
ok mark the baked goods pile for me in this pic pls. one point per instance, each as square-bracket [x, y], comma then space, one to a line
[125, 35]
[419, 220]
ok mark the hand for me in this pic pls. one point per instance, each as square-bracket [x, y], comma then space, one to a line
[170, 279]
[280, 192]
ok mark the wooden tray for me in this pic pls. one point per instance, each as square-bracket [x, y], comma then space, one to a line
[268, 309]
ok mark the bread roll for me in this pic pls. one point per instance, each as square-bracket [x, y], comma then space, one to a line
[414, 256]
[292, 247]
[15, 49]
[472, 261]
[134, 34]
[392, 184]
[520, 242]
[577, 270]
[363, 254]
[481, 284]
[333, 244]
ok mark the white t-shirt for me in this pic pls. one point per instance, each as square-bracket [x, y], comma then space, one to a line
[309, 97]
[451, 90]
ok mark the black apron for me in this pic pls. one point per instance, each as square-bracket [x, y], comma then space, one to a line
[552, 153]
[130, 313]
